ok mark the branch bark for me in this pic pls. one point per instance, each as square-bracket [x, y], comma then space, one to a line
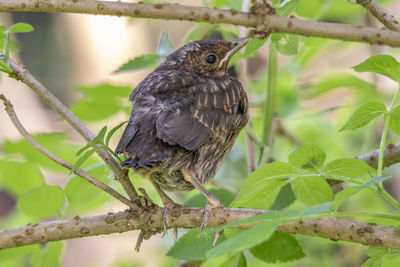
[391, 155]
[151, 220]
[381, 14]
[210, 15]
[24, 76]
[14, 119]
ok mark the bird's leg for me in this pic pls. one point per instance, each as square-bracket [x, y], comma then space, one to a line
[212, 201]
[168, 205]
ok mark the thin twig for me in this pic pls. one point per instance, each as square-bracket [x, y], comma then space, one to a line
[185, 217]
[243, 79]
[210, 15]
[381, 14]
[14, 119]
[24, 76]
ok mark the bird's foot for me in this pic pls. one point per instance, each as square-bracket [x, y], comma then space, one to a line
[207, 211]
[166, 214]
[215, 204]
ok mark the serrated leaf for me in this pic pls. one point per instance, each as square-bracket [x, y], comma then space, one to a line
[141, 62]
[21, 27]
[280, 247]
[98, 139]
[382, 64]
[343, 195]
[112, 132]
[347, 167]
[253, 45]
[42, 201]
[260, 189]
[245, 239]
[308, 157]
[374, 180]
[193, 245]
[287, 7]
[363, 115]
[83, 158]
[312, 190]
[164, 45]
[394, 122]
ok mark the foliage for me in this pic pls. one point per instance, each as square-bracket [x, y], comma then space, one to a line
[317, 145]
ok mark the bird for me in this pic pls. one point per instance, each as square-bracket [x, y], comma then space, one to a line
[185, 117]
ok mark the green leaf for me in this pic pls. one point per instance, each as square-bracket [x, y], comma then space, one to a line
[21, 27]
[308, 157]
[164, 46]
[141, 62]
[5, 68]
[374, 180]
[48, 256]
[260, 189]
[281, 216]
[200, 201]
[347, 167]
[363, 115]
[394, 122]
[236, 260]
[83, 196]
[322, 208]
[280, 247]
[83, 158]
[376, 255]
[17, 252]
[343, 195]
[286, 44]
[253, 45]
[112, 132]
[284, 198]
[382, 64]
[245, 239]
[287, 8]
[18, 177]
[312, 190]
[98, 139]
[42, 201]
[193, 245]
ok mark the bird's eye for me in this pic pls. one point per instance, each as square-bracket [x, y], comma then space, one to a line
[211, 58]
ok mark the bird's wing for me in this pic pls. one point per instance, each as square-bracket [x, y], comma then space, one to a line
[190, 116]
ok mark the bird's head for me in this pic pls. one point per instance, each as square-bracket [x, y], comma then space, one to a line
[205, 57]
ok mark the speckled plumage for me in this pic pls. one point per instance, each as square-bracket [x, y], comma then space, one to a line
[186, 115]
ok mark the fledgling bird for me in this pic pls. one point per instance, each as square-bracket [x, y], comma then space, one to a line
[185, 118]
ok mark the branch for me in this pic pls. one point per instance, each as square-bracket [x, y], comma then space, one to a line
[381, 14]
[184, 217]
[14, 119]
[24, 76]
[211, 15]
[391, 155]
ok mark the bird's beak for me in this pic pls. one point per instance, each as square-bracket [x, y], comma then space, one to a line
[237, 44]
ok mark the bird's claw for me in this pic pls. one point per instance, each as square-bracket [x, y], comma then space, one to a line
[207, 211]
[166, 214]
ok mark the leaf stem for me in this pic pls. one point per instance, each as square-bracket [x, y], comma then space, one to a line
[269, 102]
[381, 189]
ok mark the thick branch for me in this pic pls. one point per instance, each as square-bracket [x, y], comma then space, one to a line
[24, 76]
[391, 155]
[14, 119]
[181, 217]
[381, 14]
[211, 15]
